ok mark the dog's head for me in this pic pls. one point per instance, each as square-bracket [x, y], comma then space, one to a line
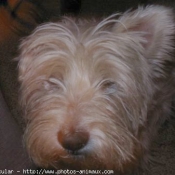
[86, 87]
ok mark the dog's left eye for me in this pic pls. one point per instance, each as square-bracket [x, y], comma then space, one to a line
[109, 87]
[53, 84]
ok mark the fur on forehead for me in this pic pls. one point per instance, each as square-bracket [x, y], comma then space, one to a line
[148, 31]
[149, 22]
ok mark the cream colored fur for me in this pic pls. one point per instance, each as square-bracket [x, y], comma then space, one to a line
[109, 82]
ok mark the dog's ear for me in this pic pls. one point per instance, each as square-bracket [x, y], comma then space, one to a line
[152, 27]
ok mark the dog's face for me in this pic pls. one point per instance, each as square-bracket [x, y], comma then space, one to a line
[86, 88]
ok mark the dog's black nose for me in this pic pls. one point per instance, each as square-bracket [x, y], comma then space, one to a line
[73, 141]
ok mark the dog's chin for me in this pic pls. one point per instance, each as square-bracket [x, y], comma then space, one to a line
[84, 165]
[76, 161]
[79, 163]
[88, 162]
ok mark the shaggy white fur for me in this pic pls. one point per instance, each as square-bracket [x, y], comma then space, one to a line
[94, 93]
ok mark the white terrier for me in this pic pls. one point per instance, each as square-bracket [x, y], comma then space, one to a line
[95, 92]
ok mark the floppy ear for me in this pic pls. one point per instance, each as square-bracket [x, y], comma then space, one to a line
[153, 28]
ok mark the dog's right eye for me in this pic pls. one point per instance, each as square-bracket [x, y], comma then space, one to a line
[109, 87]
[53, 84]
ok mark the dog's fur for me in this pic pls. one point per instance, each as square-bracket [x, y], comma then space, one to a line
[95, 92]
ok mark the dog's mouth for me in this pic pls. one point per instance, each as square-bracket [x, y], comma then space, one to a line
[76, 155]
[78, 162]
[73, 160]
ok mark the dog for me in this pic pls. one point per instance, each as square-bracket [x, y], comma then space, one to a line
[95, 91]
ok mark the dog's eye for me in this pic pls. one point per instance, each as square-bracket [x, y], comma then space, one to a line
[109, 87]
[53, 84]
